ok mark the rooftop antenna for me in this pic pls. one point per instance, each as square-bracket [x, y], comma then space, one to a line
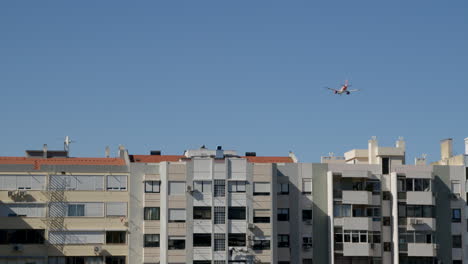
[331, 154]
[66, 143]
[424, 155]
[107, 152]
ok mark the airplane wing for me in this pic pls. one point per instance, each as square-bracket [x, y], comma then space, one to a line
[355, 90]
[331, 89]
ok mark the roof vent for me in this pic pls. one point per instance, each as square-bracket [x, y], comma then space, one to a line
[155, 153]
[250, 154]
[219, 153]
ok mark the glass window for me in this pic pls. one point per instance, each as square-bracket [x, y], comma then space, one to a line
[202, 240]
[261, 216]
[76, 210]
[418, 185]
[219, 242]
[283, 188]
[117, 182]
[236, 213]
[202, 186]
[176, 243]
[456, 187]
[261, 244]
[236, 240]
[409, 185]
[456, 215]
[115, 237]
[283, 241]
[151, 213]
[236, 186]
[306, 215]
[201, 212]
[426, 185]
[283, 214]
[151, 240]
[307, 186]
[456, 241]
[152, 186]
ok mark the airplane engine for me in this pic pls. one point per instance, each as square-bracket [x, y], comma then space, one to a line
[348, 92]
[336, 92]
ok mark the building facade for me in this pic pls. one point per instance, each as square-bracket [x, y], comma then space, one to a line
[219, 207]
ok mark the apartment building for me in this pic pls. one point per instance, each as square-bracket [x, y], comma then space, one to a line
[216, 206]
[60, 210]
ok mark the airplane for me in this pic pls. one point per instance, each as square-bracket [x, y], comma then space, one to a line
[343, 89]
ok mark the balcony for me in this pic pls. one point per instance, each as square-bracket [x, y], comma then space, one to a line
[422, 250]
[358, 249]
[422, 198]
[354, 223]
[357, 197]
[421, 223]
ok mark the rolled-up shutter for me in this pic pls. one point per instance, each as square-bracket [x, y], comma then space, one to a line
[261, 187]
[177, 214]
[116, 209]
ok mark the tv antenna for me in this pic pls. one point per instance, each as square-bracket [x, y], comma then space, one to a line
[66, 143]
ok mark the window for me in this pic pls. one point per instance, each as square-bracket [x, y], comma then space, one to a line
[152, 186]
[76, 210]
[219, 242]
[261, 188]
[176, 215]
[457, 262]
[21, 236]
[387, 246]
[202, 186]
[236, 186]
[151, 240]
[456, 241]
[115, 237]
[385, 165]
[283, 214]
[116, 209]
[22, 182]
[236, 240]
[236, 213]
[22, 209]
[117, 182]
[261, 243]
[341, 210]
[283, 241]
[307, 261]
[261, 216]
[386, 196]
[414, 185]
[115, 260]
[202, 262]
[456, 187]
[201, 212]
[175, 242]
[202, 240]
[220, 215]
[176, 188]
[386, 221]
[307, 242]
[307, 186]
[456, 215]
[283, 188]
[219, 188]
[151, 213]
[77, 182]
[306, 215]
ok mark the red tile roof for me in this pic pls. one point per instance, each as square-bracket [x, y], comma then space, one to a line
[62, 161]
[155, 158]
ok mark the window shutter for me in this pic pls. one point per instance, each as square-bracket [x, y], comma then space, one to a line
[94, 209]
[262, 187]
[307, 185]
[261, 213]
[116, 209]
[177, 214]
[176, 188]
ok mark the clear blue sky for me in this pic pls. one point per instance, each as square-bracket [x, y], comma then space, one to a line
[248, 75]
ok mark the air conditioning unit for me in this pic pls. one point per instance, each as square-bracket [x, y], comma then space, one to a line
[455, 196]
[11, 193]
[308, 222]
[189, 189]
[251, 226]
[18, 247]
[97, 249]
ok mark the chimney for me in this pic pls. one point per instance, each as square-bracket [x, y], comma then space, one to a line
[219, 152]
[421, 160]
[466, 146]
[107, 152]
[250, 154]
[44, 151]
[446, 149]
[401, 143]
[373, 145]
